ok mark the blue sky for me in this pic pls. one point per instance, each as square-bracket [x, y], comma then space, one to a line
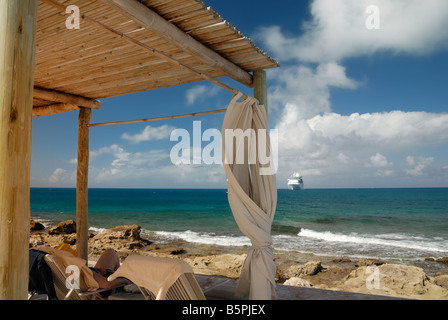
[354, 108]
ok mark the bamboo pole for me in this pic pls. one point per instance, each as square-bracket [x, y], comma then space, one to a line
[157, 119]
[17, 58]
[53, 109]
[82, 183]
[62, 97]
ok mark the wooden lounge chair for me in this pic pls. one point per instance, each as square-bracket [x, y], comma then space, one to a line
[186, 287]
[64, 293]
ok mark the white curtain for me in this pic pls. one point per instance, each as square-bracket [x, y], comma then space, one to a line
[252, 193]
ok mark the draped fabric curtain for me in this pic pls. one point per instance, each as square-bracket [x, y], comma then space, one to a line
[252, 193]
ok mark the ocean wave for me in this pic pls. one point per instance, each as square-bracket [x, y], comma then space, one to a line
[390, 240]
[94, 229]
[206, 238]
[326, 243]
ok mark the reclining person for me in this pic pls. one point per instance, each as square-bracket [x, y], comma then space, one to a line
[106, 265]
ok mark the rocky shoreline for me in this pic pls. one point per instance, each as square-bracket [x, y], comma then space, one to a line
[370, 276]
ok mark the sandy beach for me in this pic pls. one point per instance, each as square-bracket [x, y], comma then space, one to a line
[369, 276]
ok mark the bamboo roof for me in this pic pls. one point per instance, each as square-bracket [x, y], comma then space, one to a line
[93, 63]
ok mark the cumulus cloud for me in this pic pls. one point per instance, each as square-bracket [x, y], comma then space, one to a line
[149, 133]
[61, 176]
[387, 129]
[332, 144]
[378, 160]
[417, 165]
[200, 93]
[57, 175]
[338, 30]
[307, 88]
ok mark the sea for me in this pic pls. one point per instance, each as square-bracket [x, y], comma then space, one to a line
[394, 225]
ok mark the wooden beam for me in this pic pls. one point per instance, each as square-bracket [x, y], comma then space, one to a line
[53, 109]
[150, 20]
[62, 97]
[17, 59]
[82, 183]
[260, 88]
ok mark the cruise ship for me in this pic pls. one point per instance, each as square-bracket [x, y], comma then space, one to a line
[295, 182]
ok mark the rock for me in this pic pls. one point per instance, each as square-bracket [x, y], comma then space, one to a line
[166, 250]
[125, 232]
[393, 280]
[368, 262]
[36, 226]
[124, 240]
[341, 260]
[64, 227]
[135, 245]
[69, 238]
[442, 260]
[173, 250]
[329, 276]
[153, 247]
[228, 265]
[298, 282]
[442, 281]
[442, 272]
[307, 269]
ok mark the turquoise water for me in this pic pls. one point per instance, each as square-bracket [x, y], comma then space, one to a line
[397, 224]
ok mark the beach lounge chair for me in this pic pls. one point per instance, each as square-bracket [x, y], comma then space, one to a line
[161, 278]
[186, 287]
[63, 292]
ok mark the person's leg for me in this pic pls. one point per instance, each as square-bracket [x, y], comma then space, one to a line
[109, 259]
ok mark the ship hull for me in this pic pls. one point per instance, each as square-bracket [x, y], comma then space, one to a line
[295, 186]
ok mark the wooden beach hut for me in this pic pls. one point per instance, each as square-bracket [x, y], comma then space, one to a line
[50, 63]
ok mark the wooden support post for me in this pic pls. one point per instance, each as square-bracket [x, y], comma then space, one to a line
[260, 88]
[17, 58]
[82, 183]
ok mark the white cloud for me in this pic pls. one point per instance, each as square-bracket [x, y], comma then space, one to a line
[417, 166]
[114, 149]
[338, 30]
[200, 93]
[360, 131]
[149, 133]
[332, 145]
[378, 160]
[307, 88]
[57, 175]
[61, 176]
[384, 173]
